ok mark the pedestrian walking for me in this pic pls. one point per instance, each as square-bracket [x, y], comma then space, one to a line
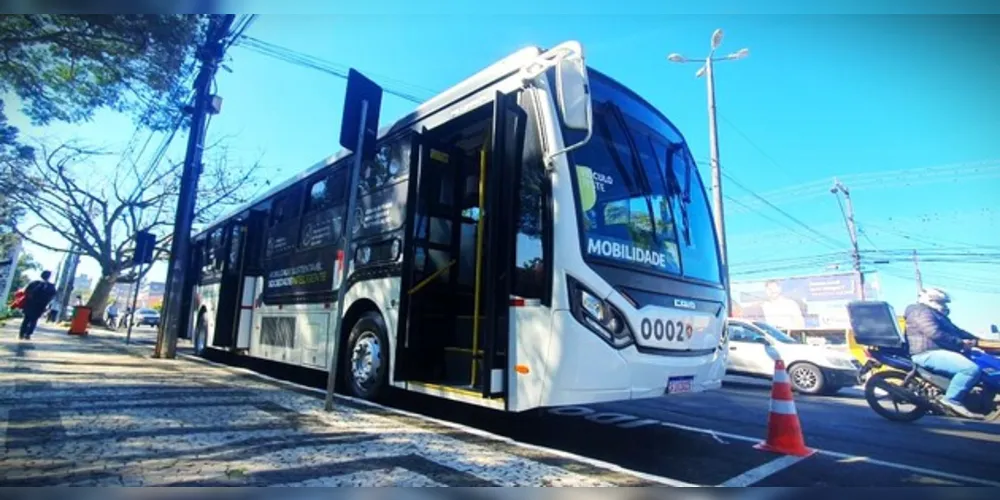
[37, 296]
[53, 315]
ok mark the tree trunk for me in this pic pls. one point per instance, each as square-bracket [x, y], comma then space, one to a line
[99, 298]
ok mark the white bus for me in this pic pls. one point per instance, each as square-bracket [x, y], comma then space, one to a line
[537, 235]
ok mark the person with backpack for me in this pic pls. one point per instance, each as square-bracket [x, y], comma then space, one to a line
[37, 296]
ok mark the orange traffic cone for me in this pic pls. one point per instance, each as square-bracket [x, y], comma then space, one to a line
[784, 434]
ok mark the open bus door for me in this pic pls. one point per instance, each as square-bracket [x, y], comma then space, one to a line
[230, 263]
[498, 234]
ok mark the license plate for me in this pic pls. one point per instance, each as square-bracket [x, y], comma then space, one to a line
[679, 384]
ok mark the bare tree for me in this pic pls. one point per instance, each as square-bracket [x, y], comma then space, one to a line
[99, 211]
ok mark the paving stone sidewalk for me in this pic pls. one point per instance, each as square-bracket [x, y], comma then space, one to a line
[93, 412]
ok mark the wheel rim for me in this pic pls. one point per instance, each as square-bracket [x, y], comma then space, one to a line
[366, 359]
[805, 379]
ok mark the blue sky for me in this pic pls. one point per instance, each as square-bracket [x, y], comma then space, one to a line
[856, 97]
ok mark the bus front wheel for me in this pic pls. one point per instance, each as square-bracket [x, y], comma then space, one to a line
[366, 364]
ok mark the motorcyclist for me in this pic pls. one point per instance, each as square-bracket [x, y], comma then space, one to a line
[936, 344]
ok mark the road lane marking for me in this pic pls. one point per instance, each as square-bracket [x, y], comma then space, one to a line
[912, 468]
[758, 473]
[580, 411]
[666, 481]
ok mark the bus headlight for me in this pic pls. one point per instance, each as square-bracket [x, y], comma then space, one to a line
[600, 316]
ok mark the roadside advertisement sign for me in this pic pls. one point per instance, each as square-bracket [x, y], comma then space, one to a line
[801, 302]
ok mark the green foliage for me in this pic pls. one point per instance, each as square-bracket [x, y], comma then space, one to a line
[65, 67]
[14, 157]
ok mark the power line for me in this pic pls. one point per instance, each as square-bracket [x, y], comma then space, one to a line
[864, 234]
[928, 241]
[242, 25]
[930, 174]
[782, 224]
[780, 211]
[312, 62]
[752, 143]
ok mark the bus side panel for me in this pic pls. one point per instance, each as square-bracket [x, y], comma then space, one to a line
[276, 335]
[585, 369]
[530, 336]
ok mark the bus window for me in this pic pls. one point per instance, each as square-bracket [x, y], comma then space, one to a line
[318, 195]
[235, 245]
[532, 253]
[283, 226]
[277, 211]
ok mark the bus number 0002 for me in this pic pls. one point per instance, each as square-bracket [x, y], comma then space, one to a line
[659, 329]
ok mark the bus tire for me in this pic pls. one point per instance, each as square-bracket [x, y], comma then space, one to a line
[366, 359]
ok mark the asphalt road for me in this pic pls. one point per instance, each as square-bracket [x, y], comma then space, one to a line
[708, 439]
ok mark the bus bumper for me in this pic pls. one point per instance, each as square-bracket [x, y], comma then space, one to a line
[651, 373]
[585, 370]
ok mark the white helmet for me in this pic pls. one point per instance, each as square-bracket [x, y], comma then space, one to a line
[935, 297]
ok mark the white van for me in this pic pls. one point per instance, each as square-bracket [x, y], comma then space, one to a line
[812, 369]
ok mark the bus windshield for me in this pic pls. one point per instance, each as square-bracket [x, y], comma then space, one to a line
[638, 191]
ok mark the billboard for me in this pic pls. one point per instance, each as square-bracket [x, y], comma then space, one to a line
[801, 302]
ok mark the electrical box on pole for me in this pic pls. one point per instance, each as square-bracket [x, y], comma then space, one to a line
[358, 132]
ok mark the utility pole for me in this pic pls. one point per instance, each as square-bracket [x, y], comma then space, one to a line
[916, 274]
[69, 278]
[708, 71]
[852, 231]
[174, 317]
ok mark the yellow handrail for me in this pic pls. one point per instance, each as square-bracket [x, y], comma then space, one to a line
[479, 261]
[430, 278]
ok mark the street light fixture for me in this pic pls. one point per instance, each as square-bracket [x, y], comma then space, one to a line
[739, 54]
[716, 38]
[713, 134]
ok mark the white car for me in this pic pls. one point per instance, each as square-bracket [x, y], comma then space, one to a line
[812, 369]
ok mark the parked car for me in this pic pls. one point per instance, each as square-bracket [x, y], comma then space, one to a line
[812, 369]
[147, 317]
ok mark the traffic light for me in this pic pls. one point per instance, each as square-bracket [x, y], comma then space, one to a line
[144, 244]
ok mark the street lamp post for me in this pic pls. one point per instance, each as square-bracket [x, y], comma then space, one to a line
[707, 70]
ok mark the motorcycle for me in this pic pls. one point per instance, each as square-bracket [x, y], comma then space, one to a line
[913, 391]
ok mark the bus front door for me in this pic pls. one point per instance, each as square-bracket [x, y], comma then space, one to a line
[494, 283]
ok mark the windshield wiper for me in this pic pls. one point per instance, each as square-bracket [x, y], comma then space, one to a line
[685, 194]
[633, 148]
[605, 131]
[637, 165]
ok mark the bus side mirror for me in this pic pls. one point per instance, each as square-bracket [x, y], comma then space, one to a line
[573, 92]
[572, 88]
[993, 329]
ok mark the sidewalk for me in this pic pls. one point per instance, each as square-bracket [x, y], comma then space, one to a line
[93, 412]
